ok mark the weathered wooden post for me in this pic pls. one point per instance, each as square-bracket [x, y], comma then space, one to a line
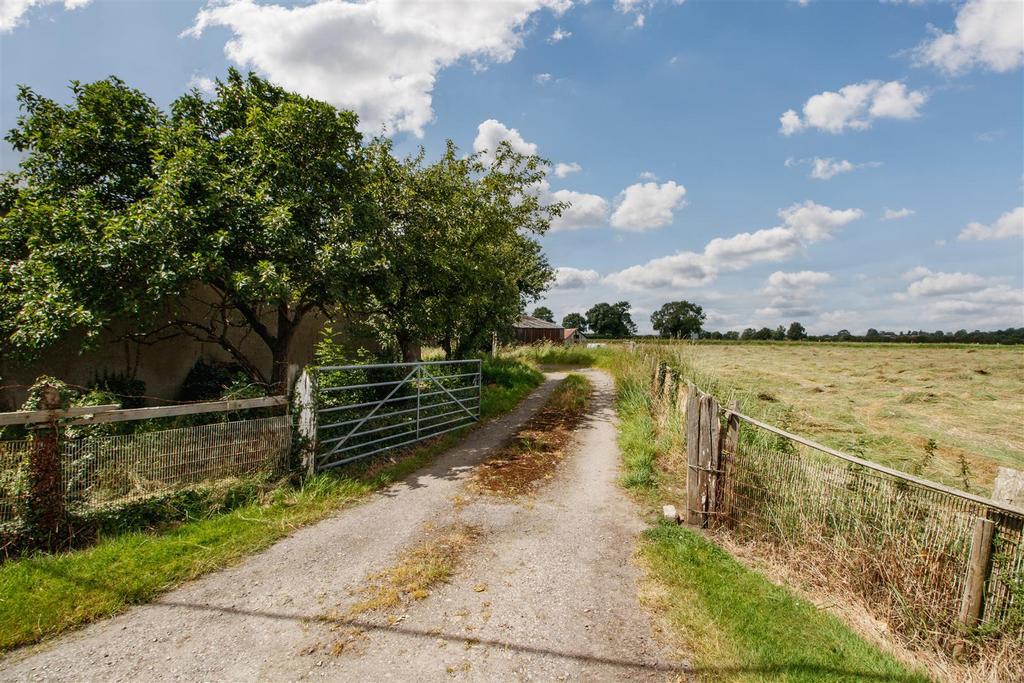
[45, 505]
[708, 457]
[978, 567]
[692, 455]
[304, 401]
[729, 443]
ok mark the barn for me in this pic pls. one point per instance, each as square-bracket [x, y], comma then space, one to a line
[530, 330]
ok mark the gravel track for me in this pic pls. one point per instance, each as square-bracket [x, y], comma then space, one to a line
[549, 591]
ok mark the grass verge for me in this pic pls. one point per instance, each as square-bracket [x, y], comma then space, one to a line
[735, 623]
[739, 626]
[43, 595]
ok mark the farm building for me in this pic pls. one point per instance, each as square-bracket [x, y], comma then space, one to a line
[530, 330]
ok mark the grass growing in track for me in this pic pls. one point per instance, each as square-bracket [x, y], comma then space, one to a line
[43, 595]
[739, 626]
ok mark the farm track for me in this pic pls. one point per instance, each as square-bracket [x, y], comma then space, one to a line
[546, 591]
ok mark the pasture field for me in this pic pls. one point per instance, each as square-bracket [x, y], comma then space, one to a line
[952, 413]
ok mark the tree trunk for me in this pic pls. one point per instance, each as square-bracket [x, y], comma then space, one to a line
[408, 346]
[281, 355]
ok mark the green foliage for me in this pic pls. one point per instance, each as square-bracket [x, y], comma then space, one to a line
[796, 332]
[455, 242]
[611, 320]
[678, 319]
[544, 313]
[575, 320]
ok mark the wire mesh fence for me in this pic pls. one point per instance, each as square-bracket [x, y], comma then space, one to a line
[105, 471]
[904, 548]
[368, 409]
[907, 546]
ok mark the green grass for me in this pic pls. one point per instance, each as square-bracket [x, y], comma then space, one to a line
[740, 626]
[735, 624]
[43, 595]
[555, 354]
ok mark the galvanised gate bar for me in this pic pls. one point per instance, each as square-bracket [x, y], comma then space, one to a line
[363, 410]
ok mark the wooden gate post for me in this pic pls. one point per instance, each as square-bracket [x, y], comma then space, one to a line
[708, 457]
[728, 444]
[978, 568]
[692, 455]
[305, 407]
[45, 505]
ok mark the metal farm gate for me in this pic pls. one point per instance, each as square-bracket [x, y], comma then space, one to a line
[362, 410]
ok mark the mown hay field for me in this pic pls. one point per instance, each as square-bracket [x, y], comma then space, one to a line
[885, 402]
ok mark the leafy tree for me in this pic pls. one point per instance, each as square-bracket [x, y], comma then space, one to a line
[455, 253]
[748, 333]
[763, 334]
[611, 320]
[678, 319]
[575, 320]
[238, 214]
[796, 332]
[844, 335]
[779, 334]
[544, 313]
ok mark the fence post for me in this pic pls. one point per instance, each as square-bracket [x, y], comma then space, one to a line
[304, 399]
[708, 457]
[45, 506]
[978, 568]
[692, 455]
[729, 441]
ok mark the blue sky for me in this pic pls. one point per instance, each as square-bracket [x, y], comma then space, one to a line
[889, 196]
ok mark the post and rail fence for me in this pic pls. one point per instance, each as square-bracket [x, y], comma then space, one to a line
[932, 559]
[94, 459]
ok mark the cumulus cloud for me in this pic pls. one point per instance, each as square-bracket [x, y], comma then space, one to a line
[12, 12]
[379, 58]
[826, 169]
[563, 169]
[962, 297]
[854, 107]
[639, 9]
[1010, 224]
[574, 278]
[644, 206]
[542, 78]
[802, 225]
[203, 84]
[492, 132]
[792, 293]
[987, 34]
[896, 214]
[585, 210]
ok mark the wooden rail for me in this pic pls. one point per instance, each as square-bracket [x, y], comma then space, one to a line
[112, 413]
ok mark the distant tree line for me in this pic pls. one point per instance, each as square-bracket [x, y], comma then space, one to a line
[685, 320]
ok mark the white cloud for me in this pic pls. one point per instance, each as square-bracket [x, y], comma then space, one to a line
[854, 107]
[585, 210]
[574, 278]
[12, 12]
[1010, 224]
[825, 169]
[558, 35]
[542, 78]
[648, 175]
[204, 84]
[896, 214]
[492, 132]
[563, 169]
[792, 293]
[379, 58]
[802, 224]
[644, 206]
[963, 298]
[988, 33]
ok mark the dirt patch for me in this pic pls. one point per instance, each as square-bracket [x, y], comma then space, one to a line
[534, 453]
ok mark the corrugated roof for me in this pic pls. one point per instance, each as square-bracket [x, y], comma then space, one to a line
[530, 321]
